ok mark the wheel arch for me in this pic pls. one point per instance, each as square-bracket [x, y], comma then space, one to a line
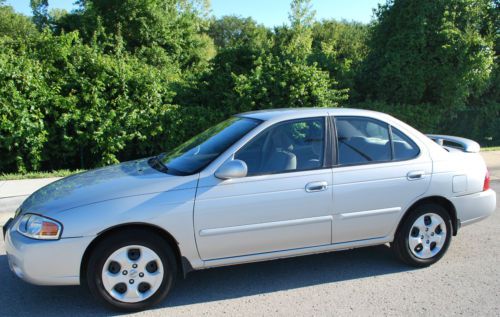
[182, 263]
[440, 200]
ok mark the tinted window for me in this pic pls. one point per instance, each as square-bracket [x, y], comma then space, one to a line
[199, 151]
[290, 146]
[362, 140]
[404, 147]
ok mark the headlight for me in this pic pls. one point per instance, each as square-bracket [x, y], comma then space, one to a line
[38, 227]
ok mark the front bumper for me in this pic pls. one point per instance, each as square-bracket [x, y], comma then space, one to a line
[474, 207]
[45, 262]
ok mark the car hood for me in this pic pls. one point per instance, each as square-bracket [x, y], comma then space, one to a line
[112, 182]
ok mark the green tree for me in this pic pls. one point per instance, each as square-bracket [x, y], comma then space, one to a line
[40, 13]
[240, 42]
[341, 48]
[23, 93]
[284, 77]
[295, 42]
[229, 32]
[277, 83]
[105, 105]
[429, 51]
[65, 104]
[176, 26]
[301, 14]
[13, 24]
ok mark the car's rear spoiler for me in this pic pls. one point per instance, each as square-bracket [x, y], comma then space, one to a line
[464, 144]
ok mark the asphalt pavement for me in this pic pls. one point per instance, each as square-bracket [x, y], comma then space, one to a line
[361, 282]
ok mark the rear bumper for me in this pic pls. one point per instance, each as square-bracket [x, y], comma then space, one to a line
[474, 207]
[45, 262]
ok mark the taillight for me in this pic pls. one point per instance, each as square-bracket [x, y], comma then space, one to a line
[486, 184]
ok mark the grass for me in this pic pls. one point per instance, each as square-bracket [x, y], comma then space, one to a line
[59, 173]
[491, 148]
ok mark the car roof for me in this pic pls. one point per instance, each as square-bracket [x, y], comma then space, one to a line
[293, 113]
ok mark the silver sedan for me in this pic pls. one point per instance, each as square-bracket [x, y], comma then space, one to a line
[258, 186]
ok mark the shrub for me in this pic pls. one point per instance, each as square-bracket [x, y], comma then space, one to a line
[23, 94]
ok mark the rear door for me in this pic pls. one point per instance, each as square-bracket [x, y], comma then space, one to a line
[379, 172]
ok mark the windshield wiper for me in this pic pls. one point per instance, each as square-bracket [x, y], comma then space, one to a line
[156, 163]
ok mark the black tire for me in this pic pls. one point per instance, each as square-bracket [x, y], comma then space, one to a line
[401, 246]
[119, 240]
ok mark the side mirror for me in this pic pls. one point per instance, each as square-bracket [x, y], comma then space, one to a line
[232, 169]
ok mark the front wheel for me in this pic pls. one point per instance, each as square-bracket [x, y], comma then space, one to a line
[424, 236]
[131, 270]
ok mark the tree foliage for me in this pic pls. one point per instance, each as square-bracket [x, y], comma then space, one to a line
[278, 83]
[176, 26]
[340, 48]
[117, 80]
[22, 128]
[430, 51]
[79, 106]
[40, 10]
[14, 25]
[285, 77]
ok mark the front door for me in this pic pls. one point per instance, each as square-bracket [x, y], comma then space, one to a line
[285, 201]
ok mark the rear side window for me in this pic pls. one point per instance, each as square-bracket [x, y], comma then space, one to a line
[362, 140]
[404, 147]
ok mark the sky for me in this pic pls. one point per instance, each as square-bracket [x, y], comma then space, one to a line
[268, 12]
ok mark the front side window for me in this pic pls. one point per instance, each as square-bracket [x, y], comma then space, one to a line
[362, 140]
[193, 155]
[290, 146]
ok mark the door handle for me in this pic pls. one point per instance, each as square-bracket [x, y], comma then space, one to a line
[316, 187]
[414, 175]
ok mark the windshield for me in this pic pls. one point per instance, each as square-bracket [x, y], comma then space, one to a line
[192, 156]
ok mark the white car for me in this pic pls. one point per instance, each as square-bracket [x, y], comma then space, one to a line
[261, 185]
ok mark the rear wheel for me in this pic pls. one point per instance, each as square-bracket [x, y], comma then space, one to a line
[424, 236]
[131, 270]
